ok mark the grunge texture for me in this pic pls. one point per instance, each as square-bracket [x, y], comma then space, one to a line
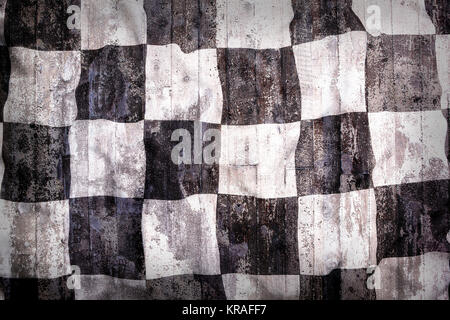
[333, 175]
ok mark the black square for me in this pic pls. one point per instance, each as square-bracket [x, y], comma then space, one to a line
[55, 289]
[41, 25]
[334, 155]
[259, 86]
[16, 289]
[166, 180]
[112, 84]
[19, 289]
[412, 219]
[186, 287]
[438, 11]
[106, 237]
[339, 284]
[257, 236]
[37, 163]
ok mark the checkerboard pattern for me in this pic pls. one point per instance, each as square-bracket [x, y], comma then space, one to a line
[333, 175]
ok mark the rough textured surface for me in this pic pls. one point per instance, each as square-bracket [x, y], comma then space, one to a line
[20, 289]
[224, 149]
[189, 24]
[408, 147]
[396, 17]
[317, 19]
[331, 73]
[34, 239]
[257, 236]
[252, 287]
[438, 12]
[106, 236]
[112, 22]
[112, 84]
[401, 73]
[107, 159]
[247, 169]
[253, 24]
[101, 287]
[259, 86]
[180, 236]
[413, 278]
[443, 67]
[5, 67]
[164, 179]
[182, 86]
[42, 87]
[333, 155]
[412, 219]
[40, 25]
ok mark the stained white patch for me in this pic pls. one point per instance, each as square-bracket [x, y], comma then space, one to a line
[259, 160]
[42, 87]
[112, 22]
[102, 287]
[408, 147]
[424, 277]
[180, 236]
[34, 238]
[253, 23]
[443, 67]
[395, 17]
[107, 159]
[332, 75]
[182, 86]
[337, 231]
[261, 287]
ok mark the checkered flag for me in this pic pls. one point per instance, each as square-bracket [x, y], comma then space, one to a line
[224, 149]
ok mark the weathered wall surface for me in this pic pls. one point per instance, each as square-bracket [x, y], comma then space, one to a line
[327, 123]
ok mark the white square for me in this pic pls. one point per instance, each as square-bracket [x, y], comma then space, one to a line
[34, 239]
[182, 86]
[331, 72]
[42, 87]
[180, 236]
[443, 67]
[261, 287]
[112, 22]
[2, 22]
[107, 159]
[259, 160]
[337, 231]
[408, 147]
[2, 165]
[253, 24]
[393, 16]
